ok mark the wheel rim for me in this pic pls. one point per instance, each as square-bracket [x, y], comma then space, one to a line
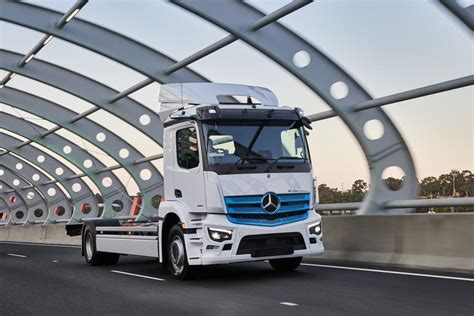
[177, 255]
[89, 246]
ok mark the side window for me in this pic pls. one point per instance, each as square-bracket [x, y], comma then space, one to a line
[292, 143]
[187, 148]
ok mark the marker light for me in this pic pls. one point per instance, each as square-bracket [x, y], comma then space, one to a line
[73, 14]
[219, 234]
[12, 75]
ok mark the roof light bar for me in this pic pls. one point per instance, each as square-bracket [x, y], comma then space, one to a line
[29, 58]
[12, 75]
[73, 14]
[48, 40]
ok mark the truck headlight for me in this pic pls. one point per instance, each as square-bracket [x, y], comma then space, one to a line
[315, 229]
[219, 234]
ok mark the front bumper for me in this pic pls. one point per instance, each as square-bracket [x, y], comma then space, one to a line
[203, 251]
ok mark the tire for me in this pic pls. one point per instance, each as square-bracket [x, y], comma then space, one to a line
[92, 256]
[285, 264]
[178, 265]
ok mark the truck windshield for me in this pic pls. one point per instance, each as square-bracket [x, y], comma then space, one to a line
[232, 142]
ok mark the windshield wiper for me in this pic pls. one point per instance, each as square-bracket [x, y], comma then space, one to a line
[249, 158]
[283, 157]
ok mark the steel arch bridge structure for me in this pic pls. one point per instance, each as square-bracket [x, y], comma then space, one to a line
[36, 187]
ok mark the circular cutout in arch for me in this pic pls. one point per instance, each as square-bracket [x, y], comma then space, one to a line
[51, 191]
[38, 213]
[301, 59]
[20, 214]
[145, 174]
[60, 210]
[30, 195]
[339, 90]
[117, 206]
[87, 163]
[124, 153]
[16, 182]
[35, 177]
[373, 129]
[86, 208]
[40, 159]
[67, 149]
[144, 119]
[393, 177]
[76, 187]
[2, 172]
[100, 137]
[106, 182]
[19, 166]
[59, 171]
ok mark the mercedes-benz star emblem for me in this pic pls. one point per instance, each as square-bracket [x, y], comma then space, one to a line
[270, 202]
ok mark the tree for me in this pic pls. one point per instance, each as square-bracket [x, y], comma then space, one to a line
[393, 184]
[359, 187]
[430, 186]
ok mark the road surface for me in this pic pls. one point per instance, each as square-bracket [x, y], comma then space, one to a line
[49, 280]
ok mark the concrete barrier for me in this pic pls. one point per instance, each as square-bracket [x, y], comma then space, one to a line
[427, 241]
[49, 234]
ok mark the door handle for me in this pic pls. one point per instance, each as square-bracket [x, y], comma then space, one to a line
[178, 193]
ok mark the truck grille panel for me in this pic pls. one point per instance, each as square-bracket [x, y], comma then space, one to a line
[271, 244]
[248, 210]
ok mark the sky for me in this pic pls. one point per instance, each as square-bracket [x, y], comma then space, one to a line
[387, 46]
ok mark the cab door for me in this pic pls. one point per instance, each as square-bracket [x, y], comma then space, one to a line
[188, 176]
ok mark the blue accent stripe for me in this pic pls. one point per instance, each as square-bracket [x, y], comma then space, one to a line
[248, 210]
[268, 223]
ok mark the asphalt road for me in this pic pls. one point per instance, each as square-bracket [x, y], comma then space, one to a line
[46, 280]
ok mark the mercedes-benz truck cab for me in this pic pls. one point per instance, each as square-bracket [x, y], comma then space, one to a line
[238, 184]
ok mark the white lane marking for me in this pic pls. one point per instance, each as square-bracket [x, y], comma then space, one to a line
[389, 272]
[288, 304]
[41, 245]
[137, 275]
[15, 255]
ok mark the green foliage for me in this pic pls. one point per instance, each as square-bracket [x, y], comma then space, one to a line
[429, 187]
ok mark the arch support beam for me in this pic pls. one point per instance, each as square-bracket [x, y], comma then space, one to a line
[326, 79]
[98, 39]
[23, 206]
[147, 177]
[82, 196]
[59, 208]
[110, 186]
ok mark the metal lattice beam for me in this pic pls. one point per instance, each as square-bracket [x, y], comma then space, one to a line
[465, 14]
[111, 188]
[15, 203]
[23, 211]
[81, 194]
[147, 177]
[58, 207]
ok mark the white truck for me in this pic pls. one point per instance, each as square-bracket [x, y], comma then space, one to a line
[238, 186]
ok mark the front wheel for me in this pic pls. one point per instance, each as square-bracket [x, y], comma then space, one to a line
[285, 264]
[177, 257]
